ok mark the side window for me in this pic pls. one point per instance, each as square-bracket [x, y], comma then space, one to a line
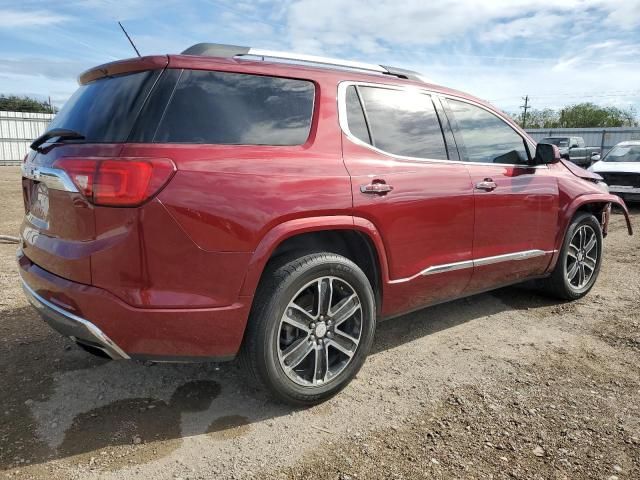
[486, 137]
[403, 123]
[355, 116]
[446, 128]
[237, 109]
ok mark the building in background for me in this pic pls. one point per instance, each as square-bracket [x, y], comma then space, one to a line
[605, 138]
[17, 131]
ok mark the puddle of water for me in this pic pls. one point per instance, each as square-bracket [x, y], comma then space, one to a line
[134, 430]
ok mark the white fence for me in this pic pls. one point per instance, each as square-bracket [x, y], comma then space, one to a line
[605, 138]
[17, 131]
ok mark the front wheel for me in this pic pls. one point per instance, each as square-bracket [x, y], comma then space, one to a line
[311, 327]
[579, 261]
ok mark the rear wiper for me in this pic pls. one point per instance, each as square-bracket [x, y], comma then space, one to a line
[56, 132]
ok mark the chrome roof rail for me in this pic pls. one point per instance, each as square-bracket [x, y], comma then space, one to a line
[231, 51]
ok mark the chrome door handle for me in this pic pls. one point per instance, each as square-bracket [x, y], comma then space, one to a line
[376, 188]
[487, 185]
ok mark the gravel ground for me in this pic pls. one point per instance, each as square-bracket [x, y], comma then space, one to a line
[508, 384]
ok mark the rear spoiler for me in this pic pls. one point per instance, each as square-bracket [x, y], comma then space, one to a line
[153, 62]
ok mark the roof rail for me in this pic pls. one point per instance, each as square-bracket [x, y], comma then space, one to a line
[231, 51]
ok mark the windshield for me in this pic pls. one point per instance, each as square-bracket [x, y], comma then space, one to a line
[623, 153]
[104, 110]
[558, 142]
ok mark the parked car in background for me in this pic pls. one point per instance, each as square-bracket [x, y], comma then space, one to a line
[620, 169]
[230, 201]
[574, 149]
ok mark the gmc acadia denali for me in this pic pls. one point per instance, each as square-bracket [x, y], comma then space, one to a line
[232, 201]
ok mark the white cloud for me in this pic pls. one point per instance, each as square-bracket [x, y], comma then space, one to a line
[504, 83]
[10, 19]
[624, 14]
[496, 49]
[539, 26]
[609, 53]
[335, 23]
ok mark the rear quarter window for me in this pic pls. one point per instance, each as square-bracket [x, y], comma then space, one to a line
[237, 109]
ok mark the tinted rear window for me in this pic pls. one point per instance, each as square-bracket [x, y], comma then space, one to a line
[240, 109]
[105, 109]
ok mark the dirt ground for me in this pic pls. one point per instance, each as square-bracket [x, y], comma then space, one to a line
[508, 384]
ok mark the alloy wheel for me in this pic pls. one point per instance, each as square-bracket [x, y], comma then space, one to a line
[582, 257]
[320, 331]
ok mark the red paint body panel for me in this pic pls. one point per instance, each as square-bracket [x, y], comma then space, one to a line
[519, 215]
[124, 66]
[426, 220]
[65, 242]
[202, 332]
[176, 276]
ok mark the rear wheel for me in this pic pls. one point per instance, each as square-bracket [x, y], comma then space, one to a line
[579, 261]
[311, 327]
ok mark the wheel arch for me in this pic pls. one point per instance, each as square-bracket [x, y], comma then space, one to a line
[354, 237]
[595, 203]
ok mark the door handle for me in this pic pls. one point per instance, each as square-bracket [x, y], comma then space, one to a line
[377, 187]
[487, 185]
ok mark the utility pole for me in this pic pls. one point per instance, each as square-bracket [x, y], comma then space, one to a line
[525, 107]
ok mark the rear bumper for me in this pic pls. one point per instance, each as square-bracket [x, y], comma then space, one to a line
[73, 326]
[98, 319]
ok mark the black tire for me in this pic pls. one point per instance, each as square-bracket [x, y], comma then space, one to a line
[558, 284]
[262, 351]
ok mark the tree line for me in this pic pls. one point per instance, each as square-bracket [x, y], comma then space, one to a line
[582, 115]
[15, 103]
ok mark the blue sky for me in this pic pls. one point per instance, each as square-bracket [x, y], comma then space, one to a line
[558, 51]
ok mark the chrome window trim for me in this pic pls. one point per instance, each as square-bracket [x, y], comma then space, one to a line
[342, 120]
[53, 178]
[478, 262]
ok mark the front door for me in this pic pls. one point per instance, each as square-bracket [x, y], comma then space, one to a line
[516, 205]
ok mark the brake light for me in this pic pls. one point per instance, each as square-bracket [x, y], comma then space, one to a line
[118, 182]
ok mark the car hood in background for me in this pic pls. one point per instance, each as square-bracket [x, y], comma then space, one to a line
[580, 172]
[622, 167]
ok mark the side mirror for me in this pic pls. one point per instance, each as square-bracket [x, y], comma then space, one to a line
[573, 145]
[546, 153]
[595, 157]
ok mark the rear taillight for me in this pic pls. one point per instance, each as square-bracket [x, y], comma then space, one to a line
[118, 182]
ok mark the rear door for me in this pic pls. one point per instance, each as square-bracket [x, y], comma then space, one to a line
[516, 205]
[404, 183]
[58, 231]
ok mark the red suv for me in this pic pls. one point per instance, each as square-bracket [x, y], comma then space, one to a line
[231, 201]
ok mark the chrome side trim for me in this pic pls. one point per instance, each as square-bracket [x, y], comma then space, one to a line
[525, 255]
[447, 267]
[450, 267]
[53, 178]
[47, 308]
